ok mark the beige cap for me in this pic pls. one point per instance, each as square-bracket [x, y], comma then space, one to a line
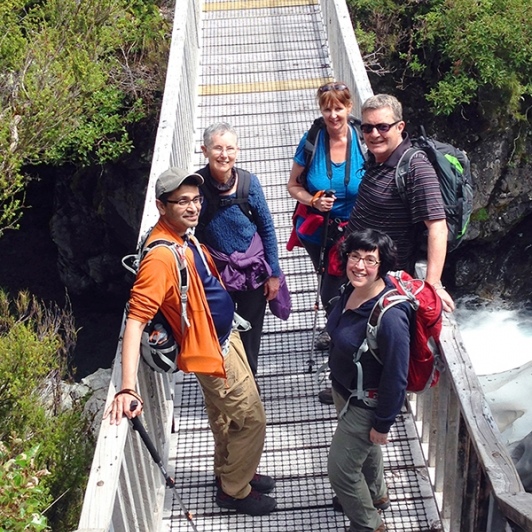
[173, 178]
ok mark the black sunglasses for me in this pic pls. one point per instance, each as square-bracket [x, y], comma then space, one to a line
[381, 128]
[332, 87]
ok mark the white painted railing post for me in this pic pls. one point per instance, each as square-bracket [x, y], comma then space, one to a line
[126, 490]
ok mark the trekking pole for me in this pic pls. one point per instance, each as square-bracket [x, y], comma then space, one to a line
[319, 271]
[170, 482]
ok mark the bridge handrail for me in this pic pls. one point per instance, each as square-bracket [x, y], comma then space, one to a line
[174, 143]
[347, 62]
[474, 477]
[126, 490]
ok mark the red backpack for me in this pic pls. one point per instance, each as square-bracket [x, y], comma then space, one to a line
[424, 364]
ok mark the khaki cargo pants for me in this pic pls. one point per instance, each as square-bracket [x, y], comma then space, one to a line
[237, 419]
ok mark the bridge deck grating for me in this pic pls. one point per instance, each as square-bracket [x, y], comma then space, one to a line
[244, 50]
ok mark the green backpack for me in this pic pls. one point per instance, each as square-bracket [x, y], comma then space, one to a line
[453, 169]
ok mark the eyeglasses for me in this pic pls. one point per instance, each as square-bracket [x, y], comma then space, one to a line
[218, 150]
[185, 202]
[381, 128]
[332, 87]
[368, 261]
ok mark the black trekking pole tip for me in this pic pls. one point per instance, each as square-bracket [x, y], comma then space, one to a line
[170, 482]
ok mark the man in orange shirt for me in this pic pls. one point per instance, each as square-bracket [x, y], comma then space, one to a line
[234, 408]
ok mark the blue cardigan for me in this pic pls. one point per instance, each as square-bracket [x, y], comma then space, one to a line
[231, 230]
[348, 330]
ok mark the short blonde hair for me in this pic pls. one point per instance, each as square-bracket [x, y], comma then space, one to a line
[380, 101]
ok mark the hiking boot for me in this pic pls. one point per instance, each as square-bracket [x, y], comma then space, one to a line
[262, 483]
[325, 396]
[337, 505]
[381, 504]
[254, 504]
[323, 341]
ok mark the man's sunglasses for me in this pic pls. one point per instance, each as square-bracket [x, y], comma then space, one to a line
[332, 87]
[381, 128]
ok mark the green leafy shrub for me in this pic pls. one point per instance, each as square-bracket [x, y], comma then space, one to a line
[73, 76]
[47, 449]
[22, 497]
[483, 45]
[462, 51]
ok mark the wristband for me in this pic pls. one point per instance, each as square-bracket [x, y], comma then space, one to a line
[130, 392]
[438, 286]
[316, 197]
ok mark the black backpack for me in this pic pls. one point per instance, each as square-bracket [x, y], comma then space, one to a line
[453, 169]
[215, 201]
[158, 346]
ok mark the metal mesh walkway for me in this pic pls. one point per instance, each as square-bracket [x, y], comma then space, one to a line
[261, 64]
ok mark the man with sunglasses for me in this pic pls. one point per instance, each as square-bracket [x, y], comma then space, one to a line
[379, 205]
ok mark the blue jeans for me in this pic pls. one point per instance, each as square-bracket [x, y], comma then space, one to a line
[355, 467]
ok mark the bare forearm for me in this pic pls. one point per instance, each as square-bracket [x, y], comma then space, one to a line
[436, 250]
[295, 189]
[131, 352]
[127, 401]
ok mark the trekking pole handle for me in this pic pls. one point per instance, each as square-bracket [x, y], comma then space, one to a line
[139, 427]
[329, 193]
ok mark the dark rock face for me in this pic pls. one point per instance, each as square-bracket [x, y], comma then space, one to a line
[95, 223]
[496, 258]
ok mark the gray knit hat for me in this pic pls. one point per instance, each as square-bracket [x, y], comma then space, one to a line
[173, 178]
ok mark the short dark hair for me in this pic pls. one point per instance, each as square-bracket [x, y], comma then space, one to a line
[370, 240]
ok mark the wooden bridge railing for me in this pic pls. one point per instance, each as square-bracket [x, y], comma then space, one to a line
[474, 479]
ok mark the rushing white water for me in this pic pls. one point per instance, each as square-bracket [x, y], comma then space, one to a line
[496, 338]
[499, 343]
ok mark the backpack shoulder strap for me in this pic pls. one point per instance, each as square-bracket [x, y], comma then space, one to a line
[388, 300]
[310, 147]
[211, 203]
[242, 192]
[132, 262]
[402, 170]
[355, 124]
[215, 201]
[182, 272]
[401, 293]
